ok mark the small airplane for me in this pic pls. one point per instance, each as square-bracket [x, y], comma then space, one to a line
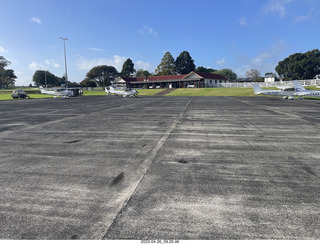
[303, 91]
[57, 92]
[285, 92]
[124, 93]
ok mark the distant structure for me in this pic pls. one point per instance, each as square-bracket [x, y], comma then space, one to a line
[269, 79]
[191, 80]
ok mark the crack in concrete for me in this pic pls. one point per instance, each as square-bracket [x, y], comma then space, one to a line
[148, 161]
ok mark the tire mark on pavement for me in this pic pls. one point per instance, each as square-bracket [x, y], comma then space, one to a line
[148, 162]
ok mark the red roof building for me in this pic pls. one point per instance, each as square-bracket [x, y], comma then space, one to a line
[193, 79]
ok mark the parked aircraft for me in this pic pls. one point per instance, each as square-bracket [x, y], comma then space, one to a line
[57, 92]
[303, 91]
[124, 93]
[285, 92]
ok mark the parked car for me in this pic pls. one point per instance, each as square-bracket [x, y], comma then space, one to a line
[19, 94]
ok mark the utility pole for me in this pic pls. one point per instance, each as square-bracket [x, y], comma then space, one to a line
[65, 57]
[45, 78]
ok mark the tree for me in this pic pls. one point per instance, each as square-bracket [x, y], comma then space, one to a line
[184, 63]
[202, 69]
[7, 76]
[128, 68]
[270, 74]
[253, 74]
[43, 78]
[3, 62]
[300, 66]
[87, 82]
[103, 74]
[167, 65]
[228, 73]
[143, 73]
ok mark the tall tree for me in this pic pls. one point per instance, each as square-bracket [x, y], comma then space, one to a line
[143, 73]
[300, 66]
[87, 82]
[3, 62]
[228, 73]
[253, 74]
[167, 65]
[103, 74]
[184, 63]
[270, 74]
[127, 68]
[7, 76]
[42, 78]
[205, 70]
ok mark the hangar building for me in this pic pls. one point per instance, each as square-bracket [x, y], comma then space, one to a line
[193, 79]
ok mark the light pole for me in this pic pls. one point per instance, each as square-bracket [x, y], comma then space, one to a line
[45, 78]
[65, 57]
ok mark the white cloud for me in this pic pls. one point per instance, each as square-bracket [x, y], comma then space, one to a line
[48, 64]
[301, 18]
[116, 61]
[35, 66]
[312, 13]
[53, 63]
[148, 31]
[277, 7]
[270, 55]
[85, 64]
[35, 20]
[2, 50]
[96, 49]
[241, 70]
[221, 62]
[143, 65]
[265, 61]
[242, 21]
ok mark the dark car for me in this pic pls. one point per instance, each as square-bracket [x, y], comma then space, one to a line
[19, 94]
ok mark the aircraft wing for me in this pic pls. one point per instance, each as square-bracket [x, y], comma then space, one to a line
[303, 93]
[285, 88]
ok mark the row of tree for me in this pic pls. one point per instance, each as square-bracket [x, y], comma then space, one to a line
[102, 75]
[300, 66]
[296, 66]
[46, 78]
[7, 76]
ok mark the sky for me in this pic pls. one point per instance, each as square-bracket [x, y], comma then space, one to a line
[234, 34]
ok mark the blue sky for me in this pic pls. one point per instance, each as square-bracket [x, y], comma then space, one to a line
[236, 34]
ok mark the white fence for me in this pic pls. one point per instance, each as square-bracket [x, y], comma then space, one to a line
[314, 82]
[269, 84]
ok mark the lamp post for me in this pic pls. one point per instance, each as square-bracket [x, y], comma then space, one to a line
[65, 57]
[45, 78]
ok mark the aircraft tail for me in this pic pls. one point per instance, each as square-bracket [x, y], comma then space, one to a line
[42, 90]
[110, 90]
[297, 86]
[256, 88]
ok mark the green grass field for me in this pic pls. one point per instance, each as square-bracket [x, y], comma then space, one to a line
[149, 92]
[245, 92]
[142, 92]
[92, 93]
[212, 92]
[4, 96]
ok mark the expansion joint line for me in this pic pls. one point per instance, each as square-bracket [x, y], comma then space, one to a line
[150, 159]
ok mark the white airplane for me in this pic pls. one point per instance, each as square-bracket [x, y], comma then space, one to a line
[124, 93]
[303, 91]
[57, 92]
[285, 92]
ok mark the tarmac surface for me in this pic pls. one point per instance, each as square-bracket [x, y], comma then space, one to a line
[182, 168]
